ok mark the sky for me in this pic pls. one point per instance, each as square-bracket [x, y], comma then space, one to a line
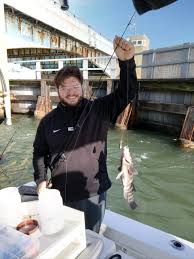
[168, 26]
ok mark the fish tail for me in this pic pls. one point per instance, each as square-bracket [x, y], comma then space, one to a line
[133, 205]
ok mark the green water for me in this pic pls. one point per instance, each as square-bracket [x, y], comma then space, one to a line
[164, 186]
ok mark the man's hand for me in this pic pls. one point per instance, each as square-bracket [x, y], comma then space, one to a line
[42, 187]
[123, 49]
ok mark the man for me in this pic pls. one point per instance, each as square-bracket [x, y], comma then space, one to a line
[72, 138]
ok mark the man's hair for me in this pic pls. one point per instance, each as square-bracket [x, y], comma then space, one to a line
[67, 72]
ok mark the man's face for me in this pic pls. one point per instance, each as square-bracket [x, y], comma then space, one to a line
[70, 91]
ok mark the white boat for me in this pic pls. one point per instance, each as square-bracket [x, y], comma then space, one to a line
[120, 237]
[144, 242]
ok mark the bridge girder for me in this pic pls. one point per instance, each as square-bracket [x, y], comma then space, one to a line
[33, 33]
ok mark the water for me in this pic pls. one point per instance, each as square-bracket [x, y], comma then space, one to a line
[164, 186]
[16, 167]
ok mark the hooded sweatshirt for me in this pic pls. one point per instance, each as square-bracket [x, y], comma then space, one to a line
[81, 132]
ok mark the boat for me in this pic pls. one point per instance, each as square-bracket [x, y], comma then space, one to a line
[119, 237]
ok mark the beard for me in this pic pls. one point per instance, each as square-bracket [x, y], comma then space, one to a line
[71, 104]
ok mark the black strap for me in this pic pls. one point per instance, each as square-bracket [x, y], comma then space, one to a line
[115, 256]
[64, 146]
[77, 130]
[28, 190]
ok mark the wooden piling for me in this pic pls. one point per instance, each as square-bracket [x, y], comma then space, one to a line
[43, 105]
[123, 118]
[187, 133]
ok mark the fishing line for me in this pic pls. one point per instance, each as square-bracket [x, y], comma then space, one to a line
[78, 126]
[99, 87]
[17, 128]
[121, 140]
[2, 171]
[1, 155]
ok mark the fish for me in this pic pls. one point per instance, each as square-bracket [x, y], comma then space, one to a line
[126, 174]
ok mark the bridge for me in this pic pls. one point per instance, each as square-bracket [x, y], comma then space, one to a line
[43, 24]
[40, 29]
[165, 75]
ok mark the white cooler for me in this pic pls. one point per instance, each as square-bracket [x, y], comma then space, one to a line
[68, 243]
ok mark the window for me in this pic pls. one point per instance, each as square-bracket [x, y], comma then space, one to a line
[138, 42]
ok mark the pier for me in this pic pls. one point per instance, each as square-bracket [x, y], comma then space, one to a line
[166, 84]
[166, 88]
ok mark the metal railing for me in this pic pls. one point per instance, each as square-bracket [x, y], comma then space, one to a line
[169, 63]
[86, 64]
[166, 63]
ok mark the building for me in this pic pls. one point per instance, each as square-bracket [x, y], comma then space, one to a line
[141, 43]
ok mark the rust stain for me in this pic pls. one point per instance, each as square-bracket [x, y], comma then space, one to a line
[29, 29]
[80, 50]
[55, 40]
[20, 19]
[74, 48]
[59, 41]
[69, 45]
[41, 35]
[65, 43]
[62, 43]
[85, 52]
